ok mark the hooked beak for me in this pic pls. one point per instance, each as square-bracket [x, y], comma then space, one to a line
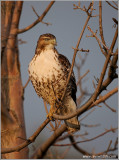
[54, 42]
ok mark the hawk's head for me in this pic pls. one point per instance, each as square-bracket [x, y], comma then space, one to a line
[46, 41]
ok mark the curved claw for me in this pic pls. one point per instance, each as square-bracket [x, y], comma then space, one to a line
[49, 115]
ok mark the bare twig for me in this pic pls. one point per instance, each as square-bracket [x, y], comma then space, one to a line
[105, 54]
[105, 97]
[38, 20]
[79, 82]
[65, 152]
[75, 52]
[68, 134]
[20, 41]
[82, 50]
[116, 4]
[82, 77]
[77, 147]
[94, 34]
[116, 143]
[87, 153]
[87, 140]
[113, 110]
[100, 23]
[114, 40]
[26, 83]
[90, 125]
[112, 5]
[87, 114]
[39, 16]
[109, 146]
[86, 10]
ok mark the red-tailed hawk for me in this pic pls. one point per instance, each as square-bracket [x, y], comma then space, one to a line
[48, 72]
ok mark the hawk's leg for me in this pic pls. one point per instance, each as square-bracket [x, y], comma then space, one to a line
[50, 114]
[54, 107]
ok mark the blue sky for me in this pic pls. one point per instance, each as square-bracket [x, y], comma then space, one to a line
[67, 25]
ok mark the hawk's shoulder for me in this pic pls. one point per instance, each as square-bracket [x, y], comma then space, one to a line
[64, 61]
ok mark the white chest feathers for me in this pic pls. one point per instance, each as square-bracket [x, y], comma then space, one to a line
[44, 65]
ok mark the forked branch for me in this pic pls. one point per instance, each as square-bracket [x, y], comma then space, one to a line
[38, 20]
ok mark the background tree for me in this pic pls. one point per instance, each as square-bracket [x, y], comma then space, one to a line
[11, 97]
[13, 129]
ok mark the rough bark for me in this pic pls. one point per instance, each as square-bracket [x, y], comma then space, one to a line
[12, 115]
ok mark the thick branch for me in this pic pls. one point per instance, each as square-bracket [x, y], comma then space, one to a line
[38, 20]
[43, 149]
[28, 141]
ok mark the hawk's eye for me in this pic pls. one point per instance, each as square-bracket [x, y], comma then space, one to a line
[47, 39]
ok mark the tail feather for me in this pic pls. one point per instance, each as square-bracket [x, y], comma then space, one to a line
[73, 124]
[70, 107]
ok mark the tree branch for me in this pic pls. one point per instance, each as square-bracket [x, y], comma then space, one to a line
[82, 77]
[100, 23]
[39, 16]
[43, 149]
[87, 140]
[77, 147]
[38, 20]
[26, 83]
[114, 40]
[28, 141]
[90, 154]
[75, 52]
[94, 34]
[111, 72]
[111, 5]
[105, 97]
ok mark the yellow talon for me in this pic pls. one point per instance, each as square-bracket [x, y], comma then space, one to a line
[50, 114]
